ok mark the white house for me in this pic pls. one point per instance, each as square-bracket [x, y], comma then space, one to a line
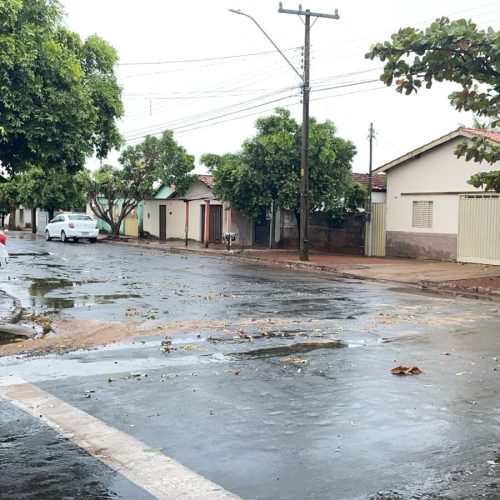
[432, 212]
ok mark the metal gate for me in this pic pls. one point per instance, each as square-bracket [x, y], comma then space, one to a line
[378, 230]
[479, 229]
[214, 224]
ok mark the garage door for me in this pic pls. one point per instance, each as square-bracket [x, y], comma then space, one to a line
[479, 229]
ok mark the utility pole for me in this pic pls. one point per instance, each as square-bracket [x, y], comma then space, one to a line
[304, 167]
[369, 201]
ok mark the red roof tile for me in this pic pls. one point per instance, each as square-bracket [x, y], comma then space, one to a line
[378, 181]
[208, 180]
[492, 135]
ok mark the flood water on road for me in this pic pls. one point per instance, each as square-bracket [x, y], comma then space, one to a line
[106, 282]
[271, 383]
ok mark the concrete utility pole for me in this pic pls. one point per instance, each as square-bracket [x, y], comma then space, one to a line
[304, 168]
[369, 201]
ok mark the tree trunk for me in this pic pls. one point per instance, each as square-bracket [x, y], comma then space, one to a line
[12, 219]
[51, 213]
[33, 220]
[115, 229]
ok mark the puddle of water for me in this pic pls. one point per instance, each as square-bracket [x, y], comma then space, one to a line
[10, 338]
[286, 350]
[42, 286]
[86, 300]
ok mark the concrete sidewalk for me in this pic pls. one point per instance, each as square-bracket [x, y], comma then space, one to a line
[477, 280]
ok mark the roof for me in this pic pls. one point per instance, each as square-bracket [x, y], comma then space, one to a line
[462, 132]
[492, 135]
[208, 180]
[378, 181]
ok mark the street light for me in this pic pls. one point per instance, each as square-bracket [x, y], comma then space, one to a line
[304, 168]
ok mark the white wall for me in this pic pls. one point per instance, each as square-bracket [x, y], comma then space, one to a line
[436, 171]
[379, 196]
[175, 211]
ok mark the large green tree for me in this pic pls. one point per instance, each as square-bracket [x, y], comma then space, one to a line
[114, 192]
[59, 97]
[51, 189]
[453, 51]
[266, 172]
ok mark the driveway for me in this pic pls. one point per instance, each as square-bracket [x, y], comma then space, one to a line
[263, 383]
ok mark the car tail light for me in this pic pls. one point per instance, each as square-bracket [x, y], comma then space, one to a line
[71, 225]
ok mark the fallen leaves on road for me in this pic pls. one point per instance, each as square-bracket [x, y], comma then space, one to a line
[294, 360]
[406, 370]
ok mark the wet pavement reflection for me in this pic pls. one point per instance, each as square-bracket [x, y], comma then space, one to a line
[271, 383]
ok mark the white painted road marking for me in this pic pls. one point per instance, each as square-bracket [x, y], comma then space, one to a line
[156, 473]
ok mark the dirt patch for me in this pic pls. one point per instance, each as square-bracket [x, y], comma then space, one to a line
[69, 336]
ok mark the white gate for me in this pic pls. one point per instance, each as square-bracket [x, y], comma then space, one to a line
[378, 230]
[479, 229]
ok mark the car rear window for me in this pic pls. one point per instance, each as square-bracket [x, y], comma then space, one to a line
[79, 217]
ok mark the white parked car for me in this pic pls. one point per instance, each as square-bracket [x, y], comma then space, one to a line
[72, 226]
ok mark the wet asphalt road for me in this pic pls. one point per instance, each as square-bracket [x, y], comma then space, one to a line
[267, 417]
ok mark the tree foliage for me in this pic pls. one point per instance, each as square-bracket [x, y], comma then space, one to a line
[59, 97]
[489, 181]
[114, 192]
[267, 169]
[51, 189]
[453, 51]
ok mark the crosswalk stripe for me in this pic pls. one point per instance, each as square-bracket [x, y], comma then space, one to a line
[156, 473]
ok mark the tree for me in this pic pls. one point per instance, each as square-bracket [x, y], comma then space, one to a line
[453, 51]
[266, 172]
[51, 189]
[114, 192]
[59, 97]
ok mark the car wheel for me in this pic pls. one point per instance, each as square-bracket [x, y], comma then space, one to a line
[47, 235]
[93, 240]
[75, 240]
[64, 239]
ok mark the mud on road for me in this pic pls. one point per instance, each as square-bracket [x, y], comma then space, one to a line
[270, 383]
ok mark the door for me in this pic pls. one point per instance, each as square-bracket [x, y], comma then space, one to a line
[261, 231]
[163, 223]
[131, 224]
[378, 230]
[215, 224]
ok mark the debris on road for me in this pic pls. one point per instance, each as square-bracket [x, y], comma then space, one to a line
[406, 370]
[294, 360]
[166, 345]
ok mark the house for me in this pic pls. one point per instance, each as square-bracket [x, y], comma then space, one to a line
[195, 216]
[432, 212]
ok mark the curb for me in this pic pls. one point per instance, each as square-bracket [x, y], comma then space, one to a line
[10, 308]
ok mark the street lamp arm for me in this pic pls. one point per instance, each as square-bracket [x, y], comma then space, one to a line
[269, 38]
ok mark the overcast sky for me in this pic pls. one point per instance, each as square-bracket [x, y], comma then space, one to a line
[207, 74]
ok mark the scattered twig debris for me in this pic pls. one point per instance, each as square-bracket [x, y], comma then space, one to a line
[406, 370]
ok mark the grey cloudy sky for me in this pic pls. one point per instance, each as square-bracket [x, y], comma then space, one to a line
[207, 74]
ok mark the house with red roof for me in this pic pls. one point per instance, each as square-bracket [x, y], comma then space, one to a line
[195, 216]
[432, 212]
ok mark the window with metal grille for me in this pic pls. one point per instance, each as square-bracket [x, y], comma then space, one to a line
[422, 214]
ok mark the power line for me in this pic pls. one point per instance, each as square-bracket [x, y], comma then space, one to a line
[182, 61]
